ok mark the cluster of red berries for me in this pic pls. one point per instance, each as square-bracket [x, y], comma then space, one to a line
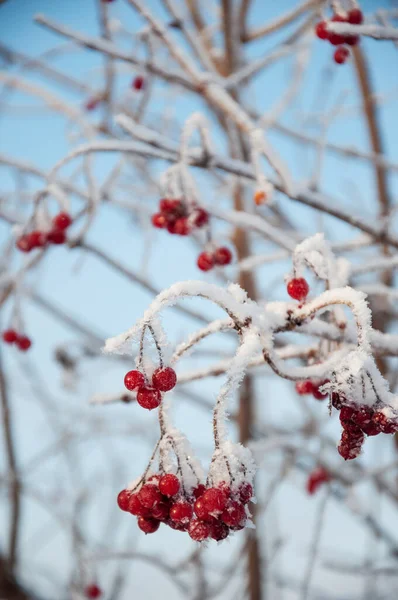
[40, 239]
[354, 17]
[177, 218]
[93, 591]
[149, 396]
[210, 512]
[316, 478]
[298, 288]
[358, 421]
[311, 387]
[10, 336]
[220, 257]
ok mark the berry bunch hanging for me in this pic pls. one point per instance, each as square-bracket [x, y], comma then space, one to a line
[179, 218]
[220, 257]
[342, 52]
[149, 395]
[11, 336]
[40, 239]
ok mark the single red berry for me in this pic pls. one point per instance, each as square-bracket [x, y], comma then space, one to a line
[92, 103]
[222, 256]
[164, 379]
[321, 30]
[37, 239]
[177, 526]
[199, 490]
[123, 500]
[218, 531]
[56, 236]
[198, 530]
[349, 452]
[10, 336]
[134, 380]
[371, 428]
[23, 342]
[385, 424]
[351, 430]
[234, 514]
[202, 511]
[93, 591]
[181, 512]
[304, 387]
[138, 83]
[149, 495]
[148, 397]
[181, 226]
[161, 511]
[205, 261]
[136, 508]
[351, 40]
[341, 54]
[171, 227]
[159, 220]
[169, 485]
[245, 492]
[362, 416]
[148, 525]
[346, 414]
[201, 217]
[355, 16]
[316, 478]
[62, 221]
[298, 288]
[23, 243]
[318, 395]
[215, 500]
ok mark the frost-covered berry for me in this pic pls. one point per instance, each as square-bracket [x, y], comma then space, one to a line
[234, 514]
[304, 387]
[56, 236]
[161, 511]
[362, 416]
[169, 485]
[218, 531]
[136, 508]
[202, 511]
[321, 30]
[205, 261]
[385, 424]
[181, 512]
[355, 16]
[199, 490]
[10, 336]
[346, 413]
[148, 525]
[198, 530]
[23, 342]
[123, 500]
[222, 256]
[23, 243]
[371, 428]
[316, 478]
[298, 288]
[134, 380]
[316, 392]
[149, 495]
[341, 54]
[201, 217]
[93, 591]
[38, 239]
[164, 379]
[62, 221]
[138, 83]
[215, 500]
[245, 492]
[148, 397]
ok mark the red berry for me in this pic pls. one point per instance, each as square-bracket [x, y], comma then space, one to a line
[92, 103]
[202, 511]
[316, 478]
[181, 512]
[337, 401]
[149, 495]
[154, 479]
[346, 414]
[199, 490]
[318, 395]
[371, 428]
[161, 511]
[355, 16]
[245, 492]
[298, 288]
[169, 485]
[37, 239]
[181, 226]
[23, 342]
[56, 236]
[123, 500]
[234, 514]
[205, 261]
[385, 424]
[304, 387]
[201, 217]
[62, 221]
[93, 591]
[341, 54]
[149, 398]
[215, 500]
[351, 430]
[351, 40]
[136, 508]
[10, 336]
[24, 244]
[218, 531]
[198, 530]
[321, 30]
[170, 206]
[159, 220]
[148, 525]
[178, 526]
[134, 380]
[222, 256]
[335, 38]
[164, 379]
[138, 83]
[362, 416]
